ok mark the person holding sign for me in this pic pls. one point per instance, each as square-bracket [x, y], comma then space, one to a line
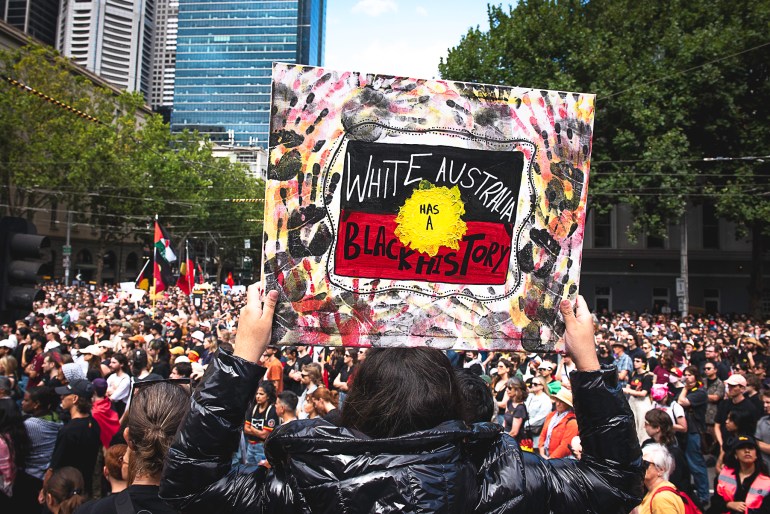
[402, 445]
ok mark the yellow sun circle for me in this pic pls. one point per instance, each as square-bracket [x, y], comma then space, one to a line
[431, 218]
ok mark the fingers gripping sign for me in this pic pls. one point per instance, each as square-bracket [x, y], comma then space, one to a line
[579, 334]
[255, 324]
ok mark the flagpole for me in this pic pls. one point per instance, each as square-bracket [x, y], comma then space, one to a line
[146, 263]
[154, 260]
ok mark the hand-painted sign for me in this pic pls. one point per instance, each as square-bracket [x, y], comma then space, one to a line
[420, 212]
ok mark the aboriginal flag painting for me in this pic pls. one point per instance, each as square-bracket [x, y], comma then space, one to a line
[409, 212]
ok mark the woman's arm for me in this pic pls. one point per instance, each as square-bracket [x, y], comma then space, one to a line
[197, 475]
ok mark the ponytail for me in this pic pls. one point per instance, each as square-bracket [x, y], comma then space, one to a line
[67, 489]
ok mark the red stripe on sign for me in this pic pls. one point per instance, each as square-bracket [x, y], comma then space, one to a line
[368, 248]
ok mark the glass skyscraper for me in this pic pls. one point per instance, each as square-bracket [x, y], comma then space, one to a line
[225, 52]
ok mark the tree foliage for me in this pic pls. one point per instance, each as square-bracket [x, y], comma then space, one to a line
[676, 82]
[116, 174]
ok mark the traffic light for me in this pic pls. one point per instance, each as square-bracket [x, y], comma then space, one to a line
[20, 262]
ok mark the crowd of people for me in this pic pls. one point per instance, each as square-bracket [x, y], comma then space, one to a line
[93, 386]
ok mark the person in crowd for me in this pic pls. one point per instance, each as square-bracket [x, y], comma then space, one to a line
[181, 369]
[605, 356]
[638, 392]
[658, 426]
[103, 413]
[210, 348]
[736, 387]
[693, 399]
[565, 367]
[116, 467]
[119, 382]
[663, 399]
[158, 352]
[559, 428]
[32, 360]
[661, 497]
[715, 389]
[141, 367]
[325, 403]
[42, 425]
[743, 484]
[382, 415]
[14, 448]
[92, 363]
[622, 361]
[499, 387]
[274, 368]
[713, 353]
[286, 406]
[8, 369]
[311, 380]
[539, 405]
[340, 383]
[156, 410]
[292, 378]
[515, 410]
[546, 370]
[52, 373]
[261, 420]
[64, 491]
[7, 403]
[649, 354]
[78, 441]
[762, 433]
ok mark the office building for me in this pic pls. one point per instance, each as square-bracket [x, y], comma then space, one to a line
[112, 38]
[164, 55]
[225, 53]
[36, 18]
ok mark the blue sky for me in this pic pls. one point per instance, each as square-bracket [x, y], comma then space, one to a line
[397, 37]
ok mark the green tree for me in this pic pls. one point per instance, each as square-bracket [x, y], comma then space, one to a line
[676, 82]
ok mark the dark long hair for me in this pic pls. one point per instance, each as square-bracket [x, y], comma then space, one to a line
[402, 390]
[658, 418]
[67, 489]
[13, 431]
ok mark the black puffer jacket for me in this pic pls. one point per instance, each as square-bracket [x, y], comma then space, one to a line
[318, 467]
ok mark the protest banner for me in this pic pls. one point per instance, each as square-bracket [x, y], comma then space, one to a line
[411, 212]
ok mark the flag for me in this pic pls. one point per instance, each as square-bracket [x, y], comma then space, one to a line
[164, 256]
[143, 280]
[230, 281]
[201, 278]
[186, 279]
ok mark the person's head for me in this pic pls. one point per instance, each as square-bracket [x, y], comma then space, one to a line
[640, 363]
[710, 352]
[745, 454]
[659, 464]
[736, 386]
[537, 385]
[64, 491]
[563, 400]
[691, 376]
[311, 374]
[139, 363]
[710, 370]
[76, 395]
[545, 369]
[350, 357]
[383, 402]
[504, 368]
[517, 391]
[658, 425]
[766, 400]
[40, 400]
[478, 403]
[100, 387]
[619, 347]
[114, 460]
[362, 354]
[321, 399]
[286, 404]
[181, 370]
[265, 393]
[153, 418]
[740, 421]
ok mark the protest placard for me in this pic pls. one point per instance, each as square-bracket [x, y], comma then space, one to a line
[411, 212]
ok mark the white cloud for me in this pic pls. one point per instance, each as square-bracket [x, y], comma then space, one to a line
[388, 57]
[375, 7]
[422, 11]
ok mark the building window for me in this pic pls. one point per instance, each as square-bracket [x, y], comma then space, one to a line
[603, 299]
[710, 227]
[655, 242]
[711, 300]
[602, 229]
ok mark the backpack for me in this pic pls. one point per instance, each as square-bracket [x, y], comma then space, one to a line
[689, 505]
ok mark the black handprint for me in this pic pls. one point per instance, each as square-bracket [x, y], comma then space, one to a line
[310, 215]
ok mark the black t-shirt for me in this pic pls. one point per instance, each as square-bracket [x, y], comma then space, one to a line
[77, 445]
[267, 420]
[641, 382]
[695, 414]
[289, 384]
[334, 417]
[144, 498]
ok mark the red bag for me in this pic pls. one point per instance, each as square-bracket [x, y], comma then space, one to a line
[689, 505]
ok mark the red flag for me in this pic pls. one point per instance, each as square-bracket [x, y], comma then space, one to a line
[164, 256]
[230, 281]
[201, 278]
[186, 280]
